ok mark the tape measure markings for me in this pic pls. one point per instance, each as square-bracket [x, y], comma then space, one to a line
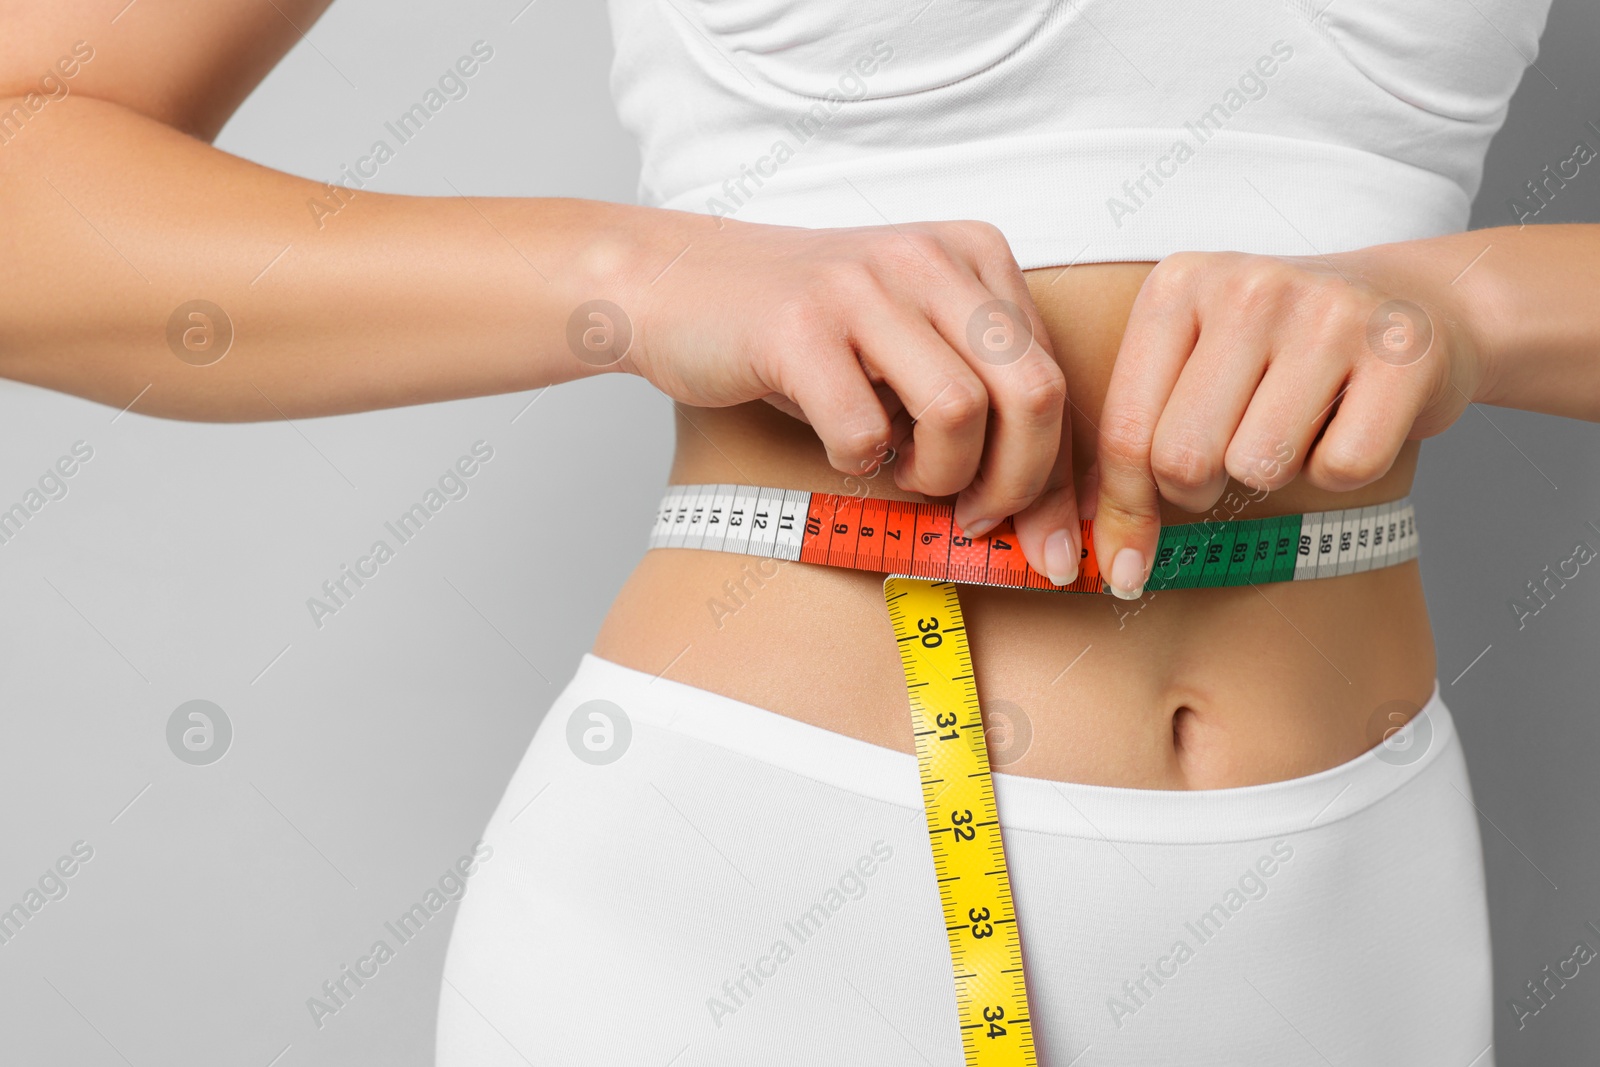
[963, 823]
[920, 539]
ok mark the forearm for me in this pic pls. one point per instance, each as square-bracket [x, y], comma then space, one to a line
[1529, 300]
[113, 221]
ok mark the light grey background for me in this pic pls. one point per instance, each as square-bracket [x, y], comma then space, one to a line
[368, 754]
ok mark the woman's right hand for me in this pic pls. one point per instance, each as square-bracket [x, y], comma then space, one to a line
[921, 338]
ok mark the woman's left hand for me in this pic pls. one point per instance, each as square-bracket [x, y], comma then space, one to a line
[1265, 368]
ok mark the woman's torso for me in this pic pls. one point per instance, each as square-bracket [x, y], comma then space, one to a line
[1202, 688]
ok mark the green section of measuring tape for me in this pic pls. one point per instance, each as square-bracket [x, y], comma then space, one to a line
[1206, 555]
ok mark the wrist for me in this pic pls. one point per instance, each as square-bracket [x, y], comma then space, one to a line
[1486, 293]
[1444, 277]
[610, 292]
[596, 289]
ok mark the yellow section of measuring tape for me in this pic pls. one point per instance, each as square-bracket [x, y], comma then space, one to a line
[963, 824]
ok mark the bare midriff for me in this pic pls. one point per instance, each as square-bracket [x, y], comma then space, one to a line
[1185, 689]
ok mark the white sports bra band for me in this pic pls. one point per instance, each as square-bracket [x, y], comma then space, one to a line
[1086, 131]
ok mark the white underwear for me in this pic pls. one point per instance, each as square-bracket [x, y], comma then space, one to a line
[712, 883]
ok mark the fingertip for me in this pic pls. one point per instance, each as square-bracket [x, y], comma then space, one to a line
[970, 519]
[1125, 544]
[1127, 574]
[1062, 556]
[1051, 535]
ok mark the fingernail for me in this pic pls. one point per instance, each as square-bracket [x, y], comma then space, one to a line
[977, 528]
[1061, 558]
[1127, 574]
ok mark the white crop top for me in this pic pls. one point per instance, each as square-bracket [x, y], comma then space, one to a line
[1089, 130]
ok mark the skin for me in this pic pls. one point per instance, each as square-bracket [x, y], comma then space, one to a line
[1143, 396]
[1205, 688]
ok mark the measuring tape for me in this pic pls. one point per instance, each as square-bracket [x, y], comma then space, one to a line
[904, 537]
[918, 546]
[963, 823]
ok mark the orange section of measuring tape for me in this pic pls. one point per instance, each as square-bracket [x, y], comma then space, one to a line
[900, 537]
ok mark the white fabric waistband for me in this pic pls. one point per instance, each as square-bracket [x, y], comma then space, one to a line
[1154, 816]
